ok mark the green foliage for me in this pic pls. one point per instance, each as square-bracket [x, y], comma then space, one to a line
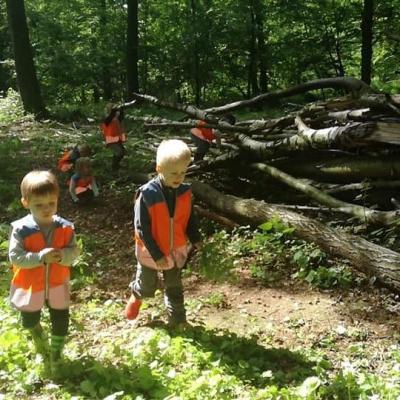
[217, 257]
[11, 108]
[205, 49]
[270, 253]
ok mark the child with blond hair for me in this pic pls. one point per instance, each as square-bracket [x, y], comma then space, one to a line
[42, 248]
[164, 228]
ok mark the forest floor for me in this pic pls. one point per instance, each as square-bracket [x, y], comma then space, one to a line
[288, 314]
[246, 333]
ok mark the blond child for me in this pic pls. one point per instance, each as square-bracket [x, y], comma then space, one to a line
[42, 248]
[164, 226]
[82, 185]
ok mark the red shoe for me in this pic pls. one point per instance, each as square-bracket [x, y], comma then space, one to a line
[132, 308]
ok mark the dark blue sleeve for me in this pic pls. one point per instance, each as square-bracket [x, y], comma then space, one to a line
[142, 224]
[192, 230]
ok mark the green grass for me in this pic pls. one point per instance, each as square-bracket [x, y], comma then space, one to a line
[109, 358]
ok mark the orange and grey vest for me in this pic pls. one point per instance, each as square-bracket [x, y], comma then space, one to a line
[82, 184]
[168, 232]
[113, 132]
[203, 133]
[31, 287]
[68, 159]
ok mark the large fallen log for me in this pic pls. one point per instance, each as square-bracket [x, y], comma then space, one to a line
[369, 258]
[364, 214]
[344, 169]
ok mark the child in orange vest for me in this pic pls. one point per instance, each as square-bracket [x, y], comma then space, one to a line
[203, 137]
[164, 226]
[68, 159]
[82, 185]
[114, 135]
[42, 248]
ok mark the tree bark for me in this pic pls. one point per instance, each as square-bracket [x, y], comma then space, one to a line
[364, 214]
[366, 46]
[352, 85]
[132, 42]
[346, 169]
[367, 257]
[26, 73]
[252, 82]
[258, 10]
[195, 52]
[105, 70]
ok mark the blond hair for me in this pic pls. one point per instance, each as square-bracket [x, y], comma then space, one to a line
[171, 151]
[39, 183]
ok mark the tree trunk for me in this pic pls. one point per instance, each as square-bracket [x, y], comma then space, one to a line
[367, 257]
[346, 169]
[105, 70]
[26, 74]
[195, 52]
[366, 46]
[364, 214]
[261, 48]
[252, 83]
[132, 42]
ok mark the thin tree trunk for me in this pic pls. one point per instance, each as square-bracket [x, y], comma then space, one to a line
[26, 73]
[144, 50]
[132, 56]
[252, 87]
[366, 48]
[195, 53]
[261, 48]
[105, 71]
[364, 214]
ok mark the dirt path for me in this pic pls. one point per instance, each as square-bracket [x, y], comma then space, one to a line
[289, 316]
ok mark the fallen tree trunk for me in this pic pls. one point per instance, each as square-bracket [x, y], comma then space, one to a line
[346, 169]
[356, 87]
[364, 214]
[369, 258]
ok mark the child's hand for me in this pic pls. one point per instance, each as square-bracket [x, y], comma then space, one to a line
[53, 256]
[162, 263]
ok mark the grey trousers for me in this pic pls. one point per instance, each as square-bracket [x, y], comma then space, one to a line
[145, 285]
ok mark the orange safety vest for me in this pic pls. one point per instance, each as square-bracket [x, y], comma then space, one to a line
[203, 133]
[169, 233]
[31, 287]
[113, 132]
[83, 184]
[64, 163]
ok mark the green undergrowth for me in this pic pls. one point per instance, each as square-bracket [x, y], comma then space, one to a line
[109, 358]
[270, 253]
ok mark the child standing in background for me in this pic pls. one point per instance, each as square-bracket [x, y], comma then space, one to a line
[164, 225]
[203, 137]
[82, 186]
[114, 135]
[42, 248]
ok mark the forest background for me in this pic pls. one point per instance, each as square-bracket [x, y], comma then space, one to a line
[199, 52]
[273, 317]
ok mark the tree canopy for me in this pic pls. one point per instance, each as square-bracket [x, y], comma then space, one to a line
[202, 52]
